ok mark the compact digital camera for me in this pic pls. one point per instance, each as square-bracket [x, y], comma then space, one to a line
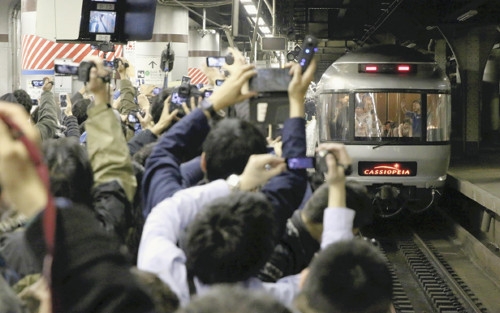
[183, 94]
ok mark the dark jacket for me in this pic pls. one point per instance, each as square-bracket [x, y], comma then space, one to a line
[140, 140]
[89, 273]
[293, 253]
[47, 122]
[163, 177]
[72, 129]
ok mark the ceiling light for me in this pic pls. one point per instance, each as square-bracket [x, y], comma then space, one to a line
[265, 29]
[251, 9]
[261, 21]
[467, 15]
[246, 1]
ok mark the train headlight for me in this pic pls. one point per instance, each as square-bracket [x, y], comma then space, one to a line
[442, 178]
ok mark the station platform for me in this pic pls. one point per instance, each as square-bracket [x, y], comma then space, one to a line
[478, 178]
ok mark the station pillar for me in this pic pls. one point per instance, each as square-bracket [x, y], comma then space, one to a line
[171, 27]
[471, 47]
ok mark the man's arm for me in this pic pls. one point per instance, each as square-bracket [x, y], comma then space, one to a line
[337, 219]
[286, 191]
[158, 250]
[127, 91]
[47, 112]
[162, 176]
[106, 145]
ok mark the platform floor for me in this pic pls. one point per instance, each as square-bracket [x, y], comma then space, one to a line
[478, 179]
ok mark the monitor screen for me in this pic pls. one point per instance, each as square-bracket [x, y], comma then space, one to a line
[102, 22]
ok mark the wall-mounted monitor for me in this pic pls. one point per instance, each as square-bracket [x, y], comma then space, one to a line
[117, 21]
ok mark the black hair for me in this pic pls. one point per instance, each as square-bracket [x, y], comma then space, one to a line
[231, 239]
[229, 145]
[24, 99]
[34, 114]
[79, 110]
[348, 276]
[165, 300]
[143, 153]
[231, 299]
[157, 104]
[71, 174]
[357, 199]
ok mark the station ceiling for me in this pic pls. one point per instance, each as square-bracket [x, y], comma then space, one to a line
[349, 24]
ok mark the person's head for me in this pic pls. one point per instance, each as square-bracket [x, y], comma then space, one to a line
[157, 104]
[24, 99]
[359, 110]
[344, 99]
[388, 124]
[368, 103]
[165, 300]
[232, 299]
[347, 277]
[71, 174]
[231, 240]
[357, 199]
[416, 106]
[406, 128]
[79, 109]
[229, 145]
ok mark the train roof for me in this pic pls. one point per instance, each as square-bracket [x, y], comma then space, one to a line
[344, 75]
[385, 54]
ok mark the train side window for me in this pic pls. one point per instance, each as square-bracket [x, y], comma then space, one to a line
[438, 117]
[338, 116]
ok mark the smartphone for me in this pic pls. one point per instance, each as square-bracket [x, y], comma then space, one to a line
[219, 82]
[63, 100]
[37, 83]
[271, 80]
[216, 61]
[186, 80]
[300, 163]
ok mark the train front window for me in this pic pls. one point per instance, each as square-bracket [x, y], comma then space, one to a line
[387, 115]
[384, 116]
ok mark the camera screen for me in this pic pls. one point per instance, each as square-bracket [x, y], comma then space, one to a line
[300, 163]
[109, 64]
[66, 69]
[219, 82]
[102, 22]
[37, 83]
[132, 118]
[207, 93]
[178, 99]
[216, 61]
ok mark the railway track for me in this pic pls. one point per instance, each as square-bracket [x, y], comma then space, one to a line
[433, 269]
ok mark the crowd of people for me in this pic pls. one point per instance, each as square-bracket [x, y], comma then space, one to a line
[164, 213]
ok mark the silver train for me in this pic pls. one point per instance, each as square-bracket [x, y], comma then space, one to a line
[391, 107]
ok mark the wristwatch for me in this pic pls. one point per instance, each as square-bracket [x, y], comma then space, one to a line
[233, 182]
[207, 106]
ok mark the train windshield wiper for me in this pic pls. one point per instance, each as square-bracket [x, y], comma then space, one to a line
[389, 142]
